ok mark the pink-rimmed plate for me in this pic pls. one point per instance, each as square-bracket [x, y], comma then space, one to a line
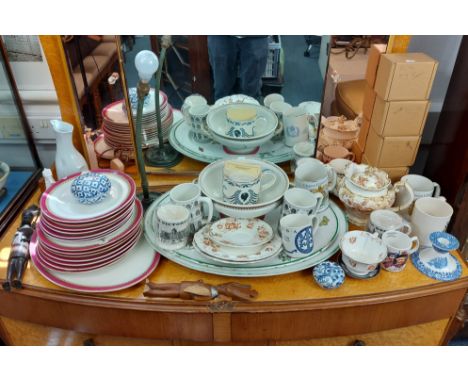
[135, 266]
[58, 203]
[63, 266]
[87, 245]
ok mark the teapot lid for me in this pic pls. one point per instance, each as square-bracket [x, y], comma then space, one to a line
[367, 177]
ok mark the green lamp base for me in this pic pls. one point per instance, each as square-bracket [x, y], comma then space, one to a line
[146, 202]
[162, 157]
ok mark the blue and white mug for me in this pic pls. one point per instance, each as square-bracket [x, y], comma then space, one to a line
[297, 234]
[242, 189]
[198, 114]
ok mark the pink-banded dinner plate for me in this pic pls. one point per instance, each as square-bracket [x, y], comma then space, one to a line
[130, 226]
[64, 266]
[135, 266]
[59, 204]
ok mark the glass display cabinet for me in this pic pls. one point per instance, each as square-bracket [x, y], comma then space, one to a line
[20, 166]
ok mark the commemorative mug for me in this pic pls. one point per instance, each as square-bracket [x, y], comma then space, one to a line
[172, 226]
[242, 126]
[296, 126]
[297, 234]
[189, 196]
[381, 221]
[300, 201]
[243, 189]
[430, 215]
[279, 108]
[192, 100]
[312, 109]
[313, 175]
[198, 115]
[399, 247]
[422, 186]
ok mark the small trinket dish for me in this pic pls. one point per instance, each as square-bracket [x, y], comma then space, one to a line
[437, 262]
[91, 187]
[329, 275]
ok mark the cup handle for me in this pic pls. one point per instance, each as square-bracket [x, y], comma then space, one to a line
[267, 184]
[351, 157]
[314, 222]
[436, 189]
[319, 199]
[415, 245]
[406, 228]
[331, 177]
[209, 205]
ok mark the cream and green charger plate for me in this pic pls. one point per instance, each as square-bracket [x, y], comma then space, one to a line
[332, 226]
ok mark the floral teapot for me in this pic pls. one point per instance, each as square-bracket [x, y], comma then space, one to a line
[365, 189]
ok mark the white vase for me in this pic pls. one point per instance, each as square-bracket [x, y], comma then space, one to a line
[68, 159]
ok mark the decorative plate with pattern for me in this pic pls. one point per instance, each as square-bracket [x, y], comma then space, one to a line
[234, 232]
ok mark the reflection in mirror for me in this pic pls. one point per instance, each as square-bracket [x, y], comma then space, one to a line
[345, 88]
[19, 162]
[277, 79]
[96, 76]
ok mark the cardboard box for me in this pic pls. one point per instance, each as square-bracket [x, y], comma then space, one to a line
[399, 118]
[405, 76]
[391, 151]
[363, 132]
[373, 62]
[395, 173]
[368, 103]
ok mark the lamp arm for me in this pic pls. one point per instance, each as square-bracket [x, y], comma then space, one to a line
[162, 57]
[139, 144]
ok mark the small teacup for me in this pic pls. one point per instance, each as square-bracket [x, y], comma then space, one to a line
[273, 97]
[302, 150]
[331, 152]
[172, 226]
[422, 186]
[189, 196]
[192, 100]
[296, 126]
[300, 201]
[315, 176]
[242, 127]
[381, 221]
[244, 189]
[297, 234]
[399, 247]
[198, 115]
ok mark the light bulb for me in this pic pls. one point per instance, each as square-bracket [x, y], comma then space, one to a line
[146, 63]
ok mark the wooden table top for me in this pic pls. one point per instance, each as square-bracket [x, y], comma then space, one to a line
[296, 286]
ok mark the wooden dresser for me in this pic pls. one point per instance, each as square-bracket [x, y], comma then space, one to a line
[405, 308]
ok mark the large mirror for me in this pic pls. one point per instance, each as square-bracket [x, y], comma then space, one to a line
[278, 79]
[20, 166]
[93, 62]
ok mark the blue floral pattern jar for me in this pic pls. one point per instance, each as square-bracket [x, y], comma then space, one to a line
[91, 187]
[329, 275]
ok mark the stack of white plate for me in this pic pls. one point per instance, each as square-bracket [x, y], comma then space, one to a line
[237, 241]
[95, 247]
[149, 122]
[115, 126]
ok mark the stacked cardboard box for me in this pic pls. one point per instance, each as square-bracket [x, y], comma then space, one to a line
[395, 109]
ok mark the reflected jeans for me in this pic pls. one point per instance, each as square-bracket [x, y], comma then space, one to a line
[230, 56]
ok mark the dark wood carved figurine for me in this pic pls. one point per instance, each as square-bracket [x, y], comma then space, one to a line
[19, 254]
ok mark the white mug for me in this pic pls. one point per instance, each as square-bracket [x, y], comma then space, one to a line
[198, 114]
[172, 226]
[430, 215]
[297, 234]
[189, 196]
[192, 100]
[300, 201]
[296, 126]
[244, 189]
[399, 247]
[315, 176]
[381, 221]
[422, 186]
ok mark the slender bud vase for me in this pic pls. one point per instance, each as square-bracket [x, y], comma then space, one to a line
[68, 160]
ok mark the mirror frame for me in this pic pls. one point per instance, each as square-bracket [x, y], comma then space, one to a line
[16, 204]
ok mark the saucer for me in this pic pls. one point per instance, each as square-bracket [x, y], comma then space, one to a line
[436, 265]
[353, 275]
[233, 232]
